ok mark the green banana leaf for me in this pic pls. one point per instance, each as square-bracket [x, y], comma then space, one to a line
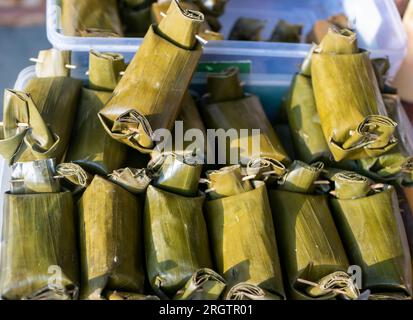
[176, 240]
[166, 60]
[247, 29]
[205, 284]
[90, 146]
[227, 107]
[39, 258]
[226, 182]
[34, 177]
[122, 296]
[301, 177]
[136, 181]
[243, 240]
[74, 177]
[92, 18]
[105, 70]
[53, 63]
[308, 138]
[267, 170]
[395, 166]
[406, 210]
[176, 173]
[374, 237]
[286, 32]
[38, 122]
[110, 240]
[350, 109]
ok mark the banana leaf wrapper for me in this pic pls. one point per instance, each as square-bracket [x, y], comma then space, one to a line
[247, 29]
[127, 296]
[373, 234]
[90, 146]
[226, 182]
[309, 243]
[105, 70]
[243, 240]
[176, 240]
[307, 135]
[228, 108]
[247, 291]
[286, 32]
[350, 111]
[406, 210]
[39, 258]
[396, 166]
[205, 284]
[321, 27]
[52, 63]
[34, 177]
[110, 240]
[74, 177]
[38, 121]
[205, 32]
[139, 107]
[175, 174]
[301, 177]
[136, 181]
[267, 170]
[92, 18]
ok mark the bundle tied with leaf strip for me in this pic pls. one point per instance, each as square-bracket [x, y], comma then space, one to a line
[205, 284]
[395, 166]
[350, 110]
[34, 177]
[242, 236]
[309, 244]
[371, 228]
[228, 108]
[149, 95]
[53, 63]
[304, 121]
[247, 29]
[176, 173]
[74, 177]
[92, 18]
[39, 258]
[159, 9]
[33, 127]
[286, 32]
[176, 242]
[90, 146]
[110, 240]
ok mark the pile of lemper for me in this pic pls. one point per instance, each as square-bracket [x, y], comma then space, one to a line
[165, 227]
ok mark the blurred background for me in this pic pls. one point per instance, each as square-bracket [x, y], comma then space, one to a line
[22, 34]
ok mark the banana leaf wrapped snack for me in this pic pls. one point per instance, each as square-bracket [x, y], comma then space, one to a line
[53, 63]
[110, 240]
[91, 147]
[227, 107]
[34, 177]
[136, 181]
[321, 27]
[38, 121]
[92, 18]
[73, 177]
[286, 32]
[371, 228]
[247, 29]
[242, 235]
[310, 247]
[395, 166]
[176, 243]
[149, 95]
[304, 121]
[350, 110]
[39, 258]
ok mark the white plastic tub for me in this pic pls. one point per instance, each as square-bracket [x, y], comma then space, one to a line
[377, 22]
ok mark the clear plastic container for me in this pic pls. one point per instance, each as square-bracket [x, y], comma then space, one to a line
[377, 22]
[271, 88]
